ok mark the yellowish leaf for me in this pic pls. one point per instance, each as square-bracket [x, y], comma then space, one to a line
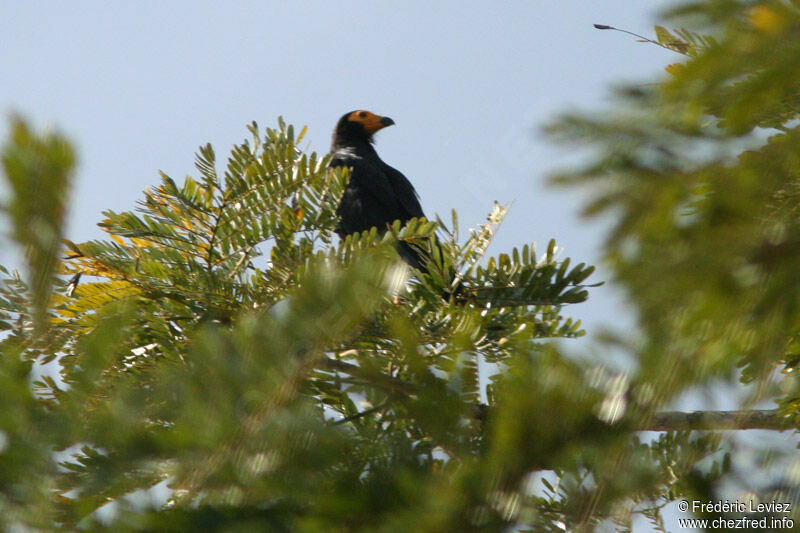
[301, 134]
[765, 19]
[674, 68]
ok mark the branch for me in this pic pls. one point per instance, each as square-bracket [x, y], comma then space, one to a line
[699, 420]
[664, 421]
[717, 421]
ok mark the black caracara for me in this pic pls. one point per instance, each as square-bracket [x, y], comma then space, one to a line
[377, 194]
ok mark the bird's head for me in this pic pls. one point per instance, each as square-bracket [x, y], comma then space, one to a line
[358, 127]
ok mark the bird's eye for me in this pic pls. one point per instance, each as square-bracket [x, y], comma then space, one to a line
[363, 114]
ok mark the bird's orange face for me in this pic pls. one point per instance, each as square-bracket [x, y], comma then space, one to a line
[370, 121]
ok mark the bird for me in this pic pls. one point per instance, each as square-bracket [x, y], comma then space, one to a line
[377, 194]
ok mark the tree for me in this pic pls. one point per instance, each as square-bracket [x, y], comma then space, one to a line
[308, 391]
[204, 385]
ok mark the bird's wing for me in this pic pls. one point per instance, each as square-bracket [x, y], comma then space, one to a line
[404, 192]
[369, 199]
[368, 175]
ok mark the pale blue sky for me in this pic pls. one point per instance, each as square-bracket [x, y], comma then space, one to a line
[138, 86]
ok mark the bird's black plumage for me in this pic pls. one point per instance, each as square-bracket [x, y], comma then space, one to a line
[376, 194]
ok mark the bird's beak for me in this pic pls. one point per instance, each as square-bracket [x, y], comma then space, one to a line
[370, 121]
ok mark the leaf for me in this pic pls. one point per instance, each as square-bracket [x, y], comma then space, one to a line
[671, 41]
[39, 170]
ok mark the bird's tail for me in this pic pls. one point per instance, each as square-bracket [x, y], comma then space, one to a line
[413, 255]
[420, 257]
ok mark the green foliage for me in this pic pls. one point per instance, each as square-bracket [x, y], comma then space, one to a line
[700, 172]
[222, 344]
[742, 80]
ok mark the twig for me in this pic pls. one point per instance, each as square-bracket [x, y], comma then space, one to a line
[376, 378]
[360, 414]
[641, 37]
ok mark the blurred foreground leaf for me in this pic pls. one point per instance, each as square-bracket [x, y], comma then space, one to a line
[39, 169]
